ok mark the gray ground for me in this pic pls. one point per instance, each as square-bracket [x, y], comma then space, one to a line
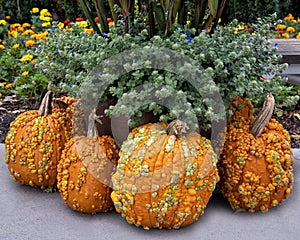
[28, 213]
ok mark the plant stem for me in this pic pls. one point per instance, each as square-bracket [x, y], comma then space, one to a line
[263, 116]
[46, 107]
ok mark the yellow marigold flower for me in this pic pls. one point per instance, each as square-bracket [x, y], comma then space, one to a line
[290, 30]
[298, 20]
[285, 35]
[60, 25]
[2, 46]
[240, 27]
[298, 35]
[15, 46]
[289, 17]
[46, 24]
[47, 19]
[26, 58]
[35, 10]
[188, 22]
[219, 20]
[27, 32]
[9, 85]
[82, 24]
[25, 74]
[26, 25]
[14, 34]
[2, 22]
[30, 43]
[45, 12]
[280, 27]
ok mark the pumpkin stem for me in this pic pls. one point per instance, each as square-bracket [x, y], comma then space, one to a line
[177, 128]
[263, 116]
[46, 107]
[92, 128]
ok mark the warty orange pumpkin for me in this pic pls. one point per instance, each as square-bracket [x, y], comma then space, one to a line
[85, 170]
[34, 144]
[256, 165]
[165, 176]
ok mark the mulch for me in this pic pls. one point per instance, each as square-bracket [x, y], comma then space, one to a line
[11, 107]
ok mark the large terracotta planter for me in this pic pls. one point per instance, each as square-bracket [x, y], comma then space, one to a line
[117, 127]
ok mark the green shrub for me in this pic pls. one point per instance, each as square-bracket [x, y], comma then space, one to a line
[235, 60]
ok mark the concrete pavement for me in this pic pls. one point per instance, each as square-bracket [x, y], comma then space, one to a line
[28, 213]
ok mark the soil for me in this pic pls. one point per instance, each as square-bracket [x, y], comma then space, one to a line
[11, 107]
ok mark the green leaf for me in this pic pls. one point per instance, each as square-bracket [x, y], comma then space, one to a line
[213, 7]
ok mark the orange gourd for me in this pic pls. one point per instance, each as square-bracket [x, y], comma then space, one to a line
[256, 163]
[84, 172]
[165, 176]
[34, 144]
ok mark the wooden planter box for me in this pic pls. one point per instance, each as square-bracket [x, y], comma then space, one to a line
[290, 50]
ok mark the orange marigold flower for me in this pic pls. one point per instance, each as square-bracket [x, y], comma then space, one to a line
[14, 27]
[79, 19]
[280, 31]
[290, 30]
[280, 27]
[286, 35]
[289, 17]
[39, 36]
[30, 43]
[26, 25]
[96, 19]
[89, 30]
[110, 21]
[7, 17]
[27, 32]
[20, 29]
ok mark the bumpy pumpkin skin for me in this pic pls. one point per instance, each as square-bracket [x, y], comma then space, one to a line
[74, 113]
[255, 173]
[84, 173]
[34, 145]
[163, 181]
